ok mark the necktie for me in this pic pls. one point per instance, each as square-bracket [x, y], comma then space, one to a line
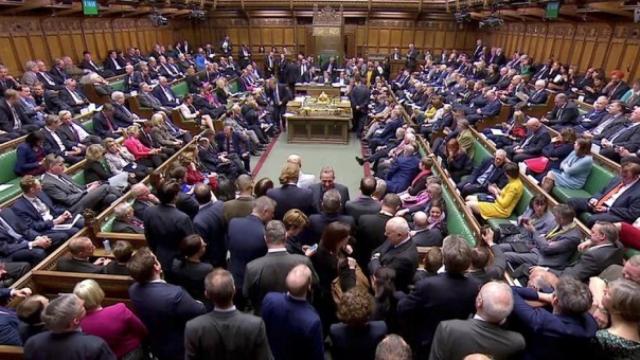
[610, 194]
[483, 178]
[17, 123]
[228, 146]
[115, 63]
[75, 96]
[47, 78]
[10, 231]
[277, 96]
[42, 209]
[109, 123]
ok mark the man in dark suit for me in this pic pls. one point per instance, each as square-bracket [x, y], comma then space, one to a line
[165, 94]
[7, 81]
[132, 79]
[363, 204]
[531, 146]
[618, 201]
[232, 147]
[225, 333]
[627, 138]
[62, 319]
[597, 115]
[71, 96]
[165, 226]
[209, 223]
[564, 113]
[81, 250]
[54, 145]
[73, 133]
[163, 308]
[63, 190]
[412, 57]
[398, 252]
[88, 65]
[483, 334]
[403, 170]
[112, 64]
[18, 242]
[289, 195]
[47, 79]
[327, 182]
[598, 253]
[103, 123]
[564, 333]
[37, 212]
[269, 272]
[148, 99]
[245, 240]
[122, 116]
[293, 326]
[330, 211]
[491, 109]
[446, 296]
[490, 171]
[359, 97]
[13, 120]
[371, 228]
[279, 95]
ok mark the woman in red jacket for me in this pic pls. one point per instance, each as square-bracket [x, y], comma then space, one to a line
[144, 155]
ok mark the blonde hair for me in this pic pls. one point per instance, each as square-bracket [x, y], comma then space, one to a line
[133, 130]
[89, 291]
[95, 152]
[290, 173]
[157, 119]
[295, 218]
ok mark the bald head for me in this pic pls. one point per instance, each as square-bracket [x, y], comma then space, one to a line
[299, 280]
[244, 184]
[533, 123]
[396, 230]
[494, 302]
[420, 220]
[295, 159]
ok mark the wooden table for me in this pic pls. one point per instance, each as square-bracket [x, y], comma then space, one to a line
[326, 125]
[315, 90]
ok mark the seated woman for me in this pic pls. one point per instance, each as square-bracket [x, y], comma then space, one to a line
[429, 230]
[356, 337]
[559, 148]
[621, 339]
[187, 270]
[189, 113]
[222, 93]
[160, 134]
[192, 80]
[120, 160]
[505, 198]
[144, 155]
[122, 251]
[116, 324]
[574, 169]
[125, 221]
[538, 215]
[30, 155]
[512, 131]
[97, 169]
[456, 161]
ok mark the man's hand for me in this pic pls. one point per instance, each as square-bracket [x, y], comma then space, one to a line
[593, 202]
[93, 185]
[352, 263]
[21, 293]
[487, 237]
[102, 261]
[41, 242]
[600, 209]
[583, 246]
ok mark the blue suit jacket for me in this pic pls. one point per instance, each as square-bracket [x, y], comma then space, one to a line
[627, 205]
[497, 177]
[389, 130]
[8, 244]
[551, 336]
[319, 221]
[401, 172]
[290, 196]
[209, 223]
[164, 100]
[245, 241]
[238, 144]
[164, 309]
[491, 109]
[27, 159]
[293, 328]
[31, 217]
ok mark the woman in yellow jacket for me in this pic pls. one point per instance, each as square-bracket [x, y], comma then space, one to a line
[506, 198]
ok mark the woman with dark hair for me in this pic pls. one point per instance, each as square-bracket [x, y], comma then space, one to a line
[356, 337]
[295, 221]
[187, 270]
[384, 290]
[574, 169]
[225, 190]
[333, 247]
[262, 186]
[559, 148]
[30, 155]
[456, 161]
[539, 215]
[190, 113]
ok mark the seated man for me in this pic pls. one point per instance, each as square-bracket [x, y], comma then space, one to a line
[53, 144]
[122, 116]
[231, 146]
[489, 172]
[618, 201]
[13, 121]
[71, 96]
[564, 113]
[533, 143]
[403, 169]
[103, 123]
[552, 250]
[165, 94]
[18, 242]
[625, 140]
[125, 220]
[492, 108]
[81, 250]
[147, 99]
[594, 117]
[36, 211]
[63, 190]
[73, 133]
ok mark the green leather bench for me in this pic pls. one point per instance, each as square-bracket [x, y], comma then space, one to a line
[107, 225]
[180, 88]
[117, 85]
[456, 223]
[597, 180]
[7, 176]
[234, 86]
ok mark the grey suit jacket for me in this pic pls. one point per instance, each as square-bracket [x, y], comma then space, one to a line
[61, 192]
[361, 206]
[455, 339]
[226, 336]
[268, 273]
[593, 261]
[317, 193]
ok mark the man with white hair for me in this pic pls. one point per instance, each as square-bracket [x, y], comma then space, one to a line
[122, 116]
[71, 96]
[492, 108]
[304, 180]
[398, 252]
[455, 339]
[62, 318]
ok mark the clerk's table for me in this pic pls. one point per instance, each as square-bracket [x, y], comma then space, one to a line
[321, 119]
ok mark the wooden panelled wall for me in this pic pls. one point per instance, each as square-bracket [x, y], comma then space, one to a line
[46, 38]
[374, 37]
[606, 45]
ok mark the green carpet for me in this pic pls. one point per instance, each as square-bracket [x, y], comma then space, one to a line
[314, 157]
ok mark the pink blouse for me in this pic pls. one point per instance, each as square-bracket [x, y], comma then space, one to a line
[118, 326]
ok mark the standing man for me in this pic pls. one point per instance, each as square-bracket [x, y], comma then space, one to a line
[328, 182]
[279, 95]
[359, 97]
